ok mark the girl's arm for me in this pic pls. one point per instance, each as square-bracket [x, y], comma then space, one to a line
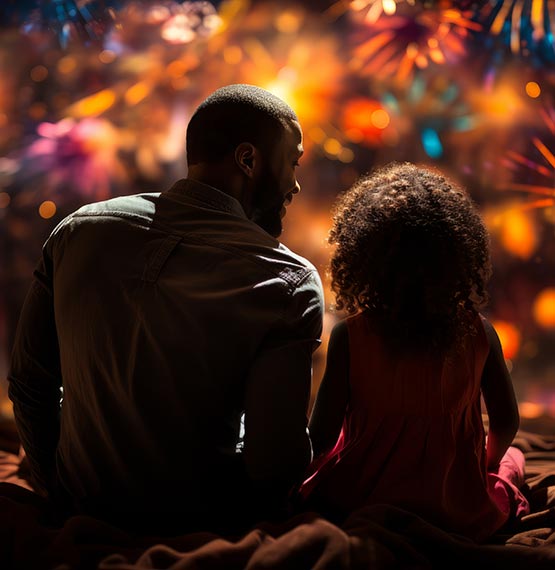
[500, 400]
[333, 394]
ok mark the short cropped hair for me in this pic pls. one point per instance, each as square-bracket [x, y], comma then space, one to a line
[232, 115]
[413, 253]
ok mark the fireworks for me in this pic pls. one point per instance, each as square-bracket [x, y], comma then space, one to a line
[527, 27]
[430, 109]
[373, 9]
[76, 157]
[519, 230]
[71, 20]
[402, 43]
[144, 24]
[543, 192]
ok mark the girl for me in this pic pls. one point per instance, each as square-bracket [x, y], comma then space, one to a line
[397, 418]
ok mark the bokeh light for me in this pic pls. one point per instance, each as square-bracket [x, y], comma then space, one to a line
[47, 209]
[530, 410]
[364, 120]
[39, 73]
[509, 337]
[93, 105]
[533, 89]
[544, 308]
[518, 233]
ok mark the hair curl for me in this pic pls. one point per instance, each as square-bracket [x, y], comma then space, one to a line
[413, 253]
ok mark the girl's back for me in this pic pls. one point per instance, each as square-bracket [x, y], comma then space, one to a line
[412, 435]
[397, 418]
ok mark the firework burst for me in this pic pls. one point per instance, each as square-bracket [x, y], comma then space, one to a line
[540, 168]
[527, 27]
[371, 10]
[79, 155]
[397, 45]
[547, 190]
[518, 230]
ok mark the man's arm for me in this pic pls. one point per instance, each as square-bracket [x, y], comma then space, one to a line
[500, 400]
[277, 446]
[333, 395]
[35, 378]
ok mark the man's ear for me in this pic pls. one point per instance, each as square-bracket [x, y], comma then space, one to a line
[247, 157]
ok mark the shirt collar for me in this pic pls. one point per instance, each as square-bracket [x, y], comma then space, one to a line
[209, 196]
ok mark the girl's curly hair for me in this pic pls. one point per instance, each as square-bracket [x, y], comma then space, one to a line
[413, 253]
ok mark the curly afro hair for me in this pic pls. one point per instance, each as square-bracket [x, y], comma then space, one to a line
[413, 253]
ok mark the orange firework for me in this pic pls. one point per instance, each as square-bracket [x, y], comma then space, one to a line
[397, 45]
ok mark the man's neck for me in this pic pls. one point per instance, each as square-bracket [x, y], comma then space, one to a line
[222, 178]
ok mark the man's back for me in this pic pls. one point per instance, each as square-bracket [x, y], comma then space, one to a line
[162, 304]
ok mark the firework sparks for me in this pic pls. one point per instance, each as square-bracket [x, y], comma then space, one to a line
[370, 9]
[540, 171]
[525, 26]
[547, 190]
[402, 43]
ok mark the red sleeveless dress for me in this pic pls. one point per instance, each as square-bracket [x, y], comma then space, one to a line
[412, 437]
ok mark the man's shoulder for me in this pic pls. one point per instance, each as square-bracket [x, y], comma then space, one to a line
[296, 260]
[140, 207]
[294, 269]
[135, 205]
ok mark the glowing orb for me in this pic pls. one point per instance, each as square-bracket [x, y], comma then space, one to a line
[518, 234]
[364, 120]
[544, 308]
[530, 410]
[509, 336]
[47, 209]
[533, 90]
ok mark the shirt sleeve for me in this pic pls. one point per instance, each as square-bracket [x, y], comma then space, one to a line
[277, 446]
[35, 378]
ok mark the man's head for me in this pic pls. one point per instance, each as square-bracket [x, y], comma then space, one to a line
[247, 142]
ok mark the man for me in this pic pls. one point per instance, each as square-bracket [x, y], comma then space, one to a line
[165, 317]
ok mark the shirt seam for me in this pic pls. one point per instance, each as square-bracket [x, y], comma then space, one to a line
[291, 282]
[219, 206]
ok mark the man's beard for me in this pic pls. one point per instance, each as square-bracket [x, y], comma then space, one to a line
[269, 221]
[266, 210]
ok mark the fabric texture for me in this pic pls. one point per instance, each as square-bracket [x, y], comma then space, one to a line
[505, 485]
[165, 316]
[379, 536]
[412, 437]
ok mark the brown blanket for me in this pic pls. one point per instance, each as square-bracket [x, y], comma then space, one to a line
[380, 536]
